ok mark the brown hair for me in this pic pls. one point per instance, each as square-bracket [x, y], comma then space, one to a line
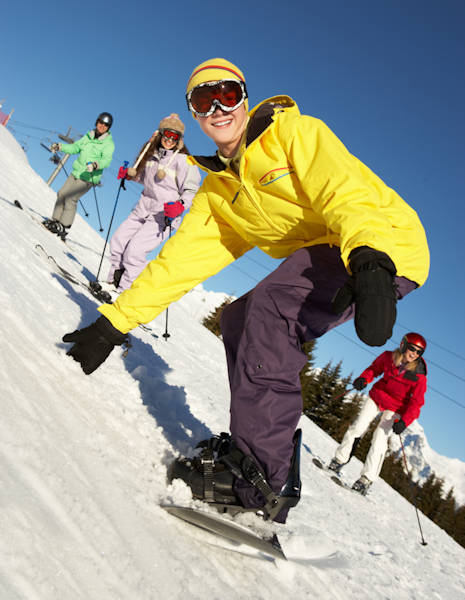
[153, 149]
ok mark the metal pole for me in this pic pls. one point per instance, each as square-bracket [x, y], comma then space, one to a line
[58, 169]
[423, 543]
[121, 185]
[96, 206]
[166, 335]
[68, 140]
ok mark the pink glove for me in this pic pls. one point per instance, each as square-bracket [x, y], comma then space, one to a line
[173, 209]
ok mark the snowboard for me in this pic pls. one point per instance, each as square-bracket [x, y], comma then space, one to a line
[224, 532]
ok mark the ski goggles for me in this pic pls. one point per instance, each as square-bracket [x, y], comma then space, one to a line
[171, 134]
[104, 122]
[228, 94]
[414, 348]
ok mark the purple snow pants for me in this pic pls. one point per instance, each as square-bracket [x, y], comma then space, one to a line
[131, 243]
[263, 332]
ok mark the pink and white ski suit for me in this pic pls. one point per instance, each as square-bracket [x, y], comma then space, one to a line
[145, 227]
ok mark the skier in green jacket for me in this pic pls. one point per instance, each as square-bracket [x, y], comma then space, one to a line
[95, 150]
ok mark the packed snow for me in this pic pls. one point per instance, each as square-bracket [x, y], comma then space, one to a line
[83, 458]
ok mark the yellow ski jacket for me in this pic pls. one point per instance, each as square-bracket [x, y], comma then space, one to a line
[297, 186]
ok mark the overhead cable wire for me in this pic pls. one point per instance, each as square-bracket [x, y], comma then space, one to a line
[430, 341]
[404, 327]
[19, 123]
[375, 354]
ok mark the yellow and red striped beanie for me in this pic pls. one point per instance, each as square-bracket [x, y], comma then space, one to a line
[214, 69]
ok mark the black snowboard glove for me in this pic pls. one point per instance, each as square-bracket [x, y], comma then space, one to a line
[93, 344]
[359, 383]
[399, 426]
[372, 289]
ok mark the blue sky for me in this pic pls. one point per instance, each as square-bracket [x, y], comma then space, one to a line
[386, 76]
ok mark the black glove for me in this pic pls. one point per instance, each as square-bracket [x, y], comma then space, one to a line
[359, 383]
[93, 344]
[372, 289]
[399, 426]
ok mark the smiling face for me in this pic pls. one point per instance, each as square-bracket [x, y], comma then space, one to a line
[168, 143]
[101, 127]
[225, 129]
[411, 355]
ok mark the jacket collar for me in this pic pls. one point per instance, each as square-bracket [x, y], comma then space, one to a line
[260, 119]
[91, 134]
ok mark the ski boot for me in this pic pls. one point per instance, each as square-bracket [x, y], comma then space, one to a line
[50, 224]
[61, 231]
[335, 466]
[56, 227]
[117, 276]
[211, 476]
[362, 485]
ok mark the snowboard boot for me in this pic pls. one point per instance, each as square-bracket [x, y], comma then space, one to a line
[212, 474]
[208, 478]
[335, 466]
[362, 485]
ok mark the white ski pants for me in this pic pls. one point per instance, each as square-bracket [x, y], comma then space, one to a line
[375, 457]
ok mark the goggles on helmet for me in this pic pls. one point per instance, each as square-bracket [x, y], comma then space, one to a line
[228, 94]
[104, 121]
[171, 134]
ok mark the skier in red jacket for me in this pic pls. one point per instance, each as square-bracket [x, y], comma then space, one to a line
[399, 395]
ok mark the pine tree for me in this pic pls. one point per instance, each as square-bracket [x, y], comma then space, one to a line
[458, 532]
[212, 320]
[446, 514]
[430, 496]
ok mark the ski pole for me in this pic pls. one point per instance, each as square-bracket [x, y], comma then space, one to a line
[122, 174]
[96, 205]
[166, 335]
[423, 543]
[83, 207]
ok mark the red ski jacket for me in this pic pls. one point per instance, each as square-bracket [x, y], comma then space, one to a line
[402, 392]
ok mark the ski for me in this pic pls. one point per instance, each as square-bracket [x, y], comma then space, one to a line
[93, 287]
[40, 220]
[333, 476]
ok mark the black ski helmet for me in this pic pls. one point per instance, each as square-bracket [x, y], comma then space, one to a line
[106, 118]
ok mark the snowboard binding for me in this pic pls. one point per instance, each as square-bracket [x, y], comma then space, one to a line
[211, 476]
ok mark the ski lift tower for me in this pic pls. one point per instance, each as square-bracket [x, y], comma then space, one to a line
[68, 140]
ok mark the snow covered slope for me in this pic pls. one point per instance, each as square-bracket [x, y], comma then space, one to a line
[83, 458]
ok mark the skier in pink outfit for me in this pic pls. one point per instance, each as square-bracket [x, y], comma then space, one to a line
[170, 184]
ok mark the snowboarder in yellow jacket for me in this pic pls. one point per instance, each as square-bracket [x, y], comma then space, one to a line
[282, 182]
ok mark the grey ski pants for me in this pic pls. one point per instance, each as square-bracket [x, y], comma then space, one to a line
[263, 332]
[67, 199]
